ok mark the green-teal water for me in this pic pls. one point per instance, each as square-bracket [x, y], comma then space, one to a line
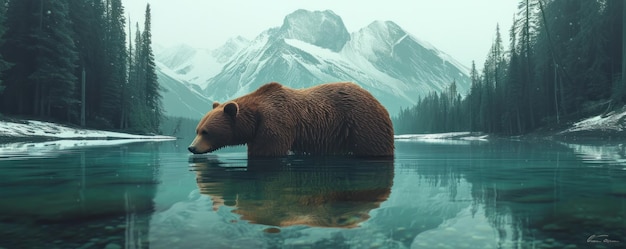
[454, 194]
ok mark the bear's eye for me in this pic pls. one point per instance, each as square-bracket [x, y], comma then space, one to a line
[204, 133]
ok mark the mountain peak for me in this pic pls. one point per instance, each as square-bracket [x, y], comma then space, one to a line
[384, 25]
[230, 48]
[387, 29]
[321, 28]
[176, 55]
[313, 47]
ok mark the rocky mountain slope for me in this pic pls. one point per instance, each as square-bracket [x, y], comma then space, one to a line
[314, 47]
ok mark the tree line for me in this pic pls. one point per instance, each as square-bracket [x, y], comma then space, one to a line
[565, 61]
[50, 49]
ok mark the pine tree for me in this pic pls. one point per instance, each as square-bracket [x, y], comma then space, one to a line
[4, 65]
[54, 77]
[494, 75]
[153, 96]
[137, 114]
[474, 99]
[17, 49]
[621, 85]
[487, 104]
[616, 29]
[527, 29]
[88, 19]
[115, 83]
[40, 46]
[513, 90]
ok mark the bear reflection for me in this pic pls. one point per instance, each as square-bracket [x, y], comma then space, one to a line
[323, 192]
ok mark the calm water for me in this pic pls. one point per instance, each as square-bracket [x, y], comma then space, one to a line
[496, 194]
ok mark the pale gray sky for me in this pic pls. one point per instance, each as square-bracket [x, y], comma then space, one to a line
[464, 29]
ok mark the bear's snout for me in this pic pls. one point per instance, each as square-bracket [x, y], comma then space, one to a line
[193, 149]
[198, 146]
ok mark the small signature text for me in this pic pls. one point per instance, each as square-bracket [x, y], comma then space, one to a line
[602, 238]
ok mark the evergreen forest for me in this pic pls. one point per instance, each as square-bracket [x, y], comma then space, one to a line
[565, 62]
[70, 61]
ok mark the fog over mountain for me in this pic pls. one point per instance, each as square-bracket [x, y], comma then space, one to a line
[314, 47]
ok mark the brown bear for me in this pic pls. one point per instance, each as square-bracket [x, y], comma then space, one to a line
[327, 119]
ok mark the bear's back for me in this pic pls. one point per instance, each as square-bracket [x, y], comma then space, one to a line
[332, 118]
[347, 116]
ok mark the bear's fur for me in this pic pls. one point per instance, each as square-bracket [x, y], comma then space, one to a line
[328, 119]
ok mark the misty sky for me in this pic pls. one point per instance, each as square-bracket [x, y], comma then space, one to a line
[464, 29]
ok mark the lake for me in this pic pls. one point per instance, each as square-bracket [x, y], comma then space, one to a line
[434, 194]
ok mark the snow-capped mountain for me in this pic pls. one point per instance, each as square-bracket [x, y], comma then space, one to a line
[197, 66]
[314, 47]
[181, 99]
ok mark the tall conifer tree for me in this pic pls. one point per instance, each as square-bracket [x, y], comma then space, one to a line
[153, 96]
[88, 19]
[115, 45]
[55, 63]
[4, 65]
[137, 117]
[21, 20]
[40, 46]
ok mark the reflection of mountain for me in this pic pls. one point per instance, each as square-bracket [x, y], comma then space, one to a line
[102, 196]
[336, 192]
[531, 193]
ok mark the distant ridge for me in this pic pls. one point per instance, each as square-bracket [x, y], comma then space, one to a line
[313, 47]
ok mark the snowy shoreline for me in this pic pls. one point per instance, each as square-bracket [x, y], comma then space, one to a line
[448, 138]
[31, 138]
[12, 131]
[609, 125]
[604, 127]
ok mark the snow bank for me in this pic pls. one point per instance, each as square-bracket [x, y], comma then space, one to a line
[32, 128]
[64, 138]
[613, 121]
[48, 149]
[443, 137]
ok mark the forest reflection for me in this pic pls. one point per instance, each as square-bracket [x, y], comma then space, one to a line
[531, 192]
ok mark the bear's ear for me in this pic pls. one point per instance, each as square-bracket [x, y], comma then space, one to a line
[216, 104]
[231, 109]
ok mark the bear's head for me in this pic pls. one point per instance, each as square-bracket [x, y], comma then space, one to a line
[216, 129]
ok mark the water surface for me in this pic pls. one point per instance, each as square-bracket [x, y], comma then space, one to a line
[454, 194]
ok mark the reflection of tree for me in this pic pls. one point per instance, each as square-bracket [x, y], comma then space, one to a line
[104, 194]
[325, 192]
[532, 191]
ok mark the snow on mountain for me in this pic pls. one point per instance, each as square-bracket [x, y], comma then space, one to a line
[241, 70]
[224, 53]
[181, 98]
[314, 47]
[197, 66]
[396, 67]
[324, 29]
[396, 53]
